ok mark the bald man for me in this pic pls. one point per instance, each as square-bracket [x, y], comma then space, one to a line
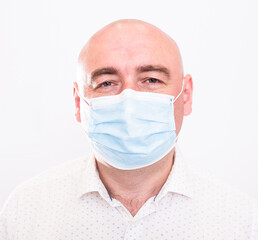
[130, 97]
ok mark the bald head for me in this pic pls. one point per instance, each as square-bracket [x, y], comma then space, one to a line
[129, 41]
[132, 54]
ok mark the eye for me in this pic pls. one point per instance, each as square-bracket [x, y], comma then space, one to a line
[152, 80]
[105, 84]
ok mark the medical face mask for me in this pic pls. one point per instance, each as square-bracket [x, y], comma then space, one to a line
[130, 130]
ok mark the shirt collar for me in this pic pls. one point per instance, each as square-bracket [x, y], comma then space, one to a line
[179, 180]
[90, 180]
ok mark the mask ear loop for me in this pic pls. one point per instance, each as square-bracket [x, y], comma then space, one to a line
[80, 96]
[180, 91]
[173, 102]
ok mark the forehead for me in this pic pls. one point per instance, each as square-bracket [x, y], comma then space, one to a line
[128, 47]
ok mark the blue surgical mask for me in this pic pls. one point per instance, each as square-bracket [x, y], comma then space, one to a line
[131, 130]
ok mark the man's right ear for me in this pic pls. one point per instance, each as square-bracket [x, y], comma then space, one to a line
[77, 102]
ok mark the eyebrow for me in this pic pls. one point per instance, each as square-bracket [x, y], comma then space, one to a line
[103, 71]
[157, 68]
[146, 68]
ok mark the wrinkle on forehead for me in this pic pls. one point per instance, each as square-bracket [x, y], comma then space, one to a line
[129, 29]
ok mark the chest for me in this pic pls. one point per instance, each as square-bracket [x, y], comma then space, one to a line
[95, 218]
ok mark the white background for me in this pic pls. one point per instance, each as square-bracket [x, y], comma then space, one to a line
[39, 45]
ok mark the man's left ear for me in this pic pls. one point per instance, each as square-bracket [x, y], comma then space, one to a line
[188, 93]
[77, 102]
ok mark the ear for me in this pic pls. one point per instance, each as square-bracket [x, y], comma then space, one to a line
[77, 102]
[188, 93]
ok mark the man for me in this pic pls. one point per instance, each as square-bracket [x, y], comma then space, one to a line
[131, 97]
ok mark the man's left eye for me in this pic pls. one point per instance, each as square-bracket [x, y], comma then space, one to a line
[152, 80]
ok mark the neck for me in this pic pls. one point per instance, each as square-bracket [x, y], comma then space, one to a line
[134, 187]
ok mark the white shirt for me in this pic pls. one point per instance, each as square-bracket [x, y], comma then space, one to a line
[71, 202]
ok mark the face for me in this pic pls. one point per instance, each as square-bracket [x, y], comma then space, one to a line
[138, 57]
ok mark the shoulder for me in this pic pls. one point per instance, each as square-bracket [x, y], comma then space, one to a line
[221, 201]
[48, 183]
[209, 188]
[207, 185]
[221, 206]
[41, 198]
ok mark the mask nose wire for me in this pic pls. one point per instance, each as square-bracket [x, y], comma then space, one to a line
[180, 91]
[83, 98]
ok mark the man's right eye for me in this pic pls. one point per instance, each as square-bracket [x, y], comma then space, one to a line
[105, 84]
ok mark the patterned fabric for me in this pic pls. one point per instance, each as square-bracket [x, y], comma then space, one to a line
[71, 202]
